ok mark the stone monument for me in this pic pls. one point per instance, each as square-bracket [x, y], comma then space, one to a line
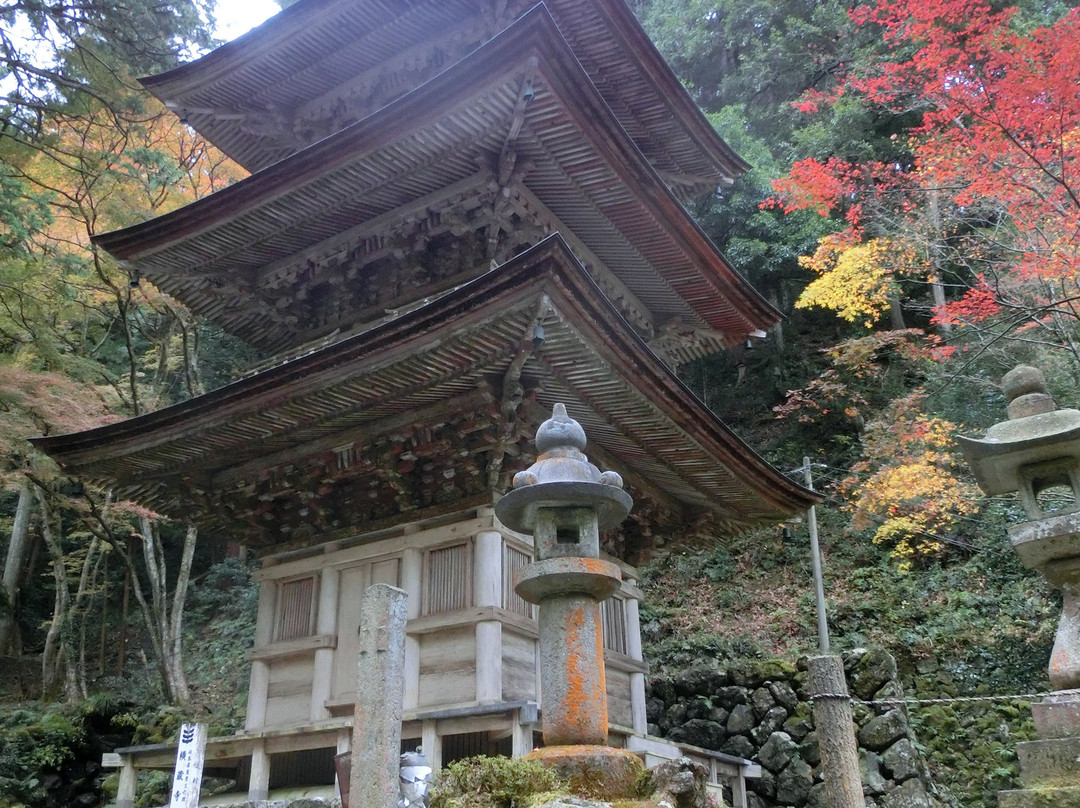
[1037, 453]
[565, 501]
[374, 777]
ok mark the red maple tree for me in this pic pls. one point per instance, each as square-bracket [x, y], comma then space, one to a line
[998, 129]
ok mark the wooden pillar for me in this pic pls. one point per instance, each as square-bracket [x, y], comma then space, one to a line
[432, 744]
[487, 568]
[487, 591]
[738, 791]
[489, 669]
[125, 791]
[259, 782]
[259, 685]
[638, 720]
[325, 623]
[525, 720]
[836, 732]
[412, 576]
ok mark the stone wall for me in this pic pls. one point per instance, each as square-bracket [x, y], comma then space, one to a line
[761, 710]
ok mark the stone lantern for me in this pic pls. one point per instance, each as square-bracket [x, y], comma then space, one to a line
[564, 501]
[1037, 453]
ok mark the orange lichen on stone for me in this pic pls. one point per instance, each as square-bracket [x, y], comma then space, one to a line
[585, 703]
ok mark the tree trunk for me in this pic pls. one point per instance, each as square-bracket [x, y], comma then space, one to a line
[57, 659]
[896, 315]
[125, 602]
[14, 565]
[777, 331]
[163, 622]
[937, 290]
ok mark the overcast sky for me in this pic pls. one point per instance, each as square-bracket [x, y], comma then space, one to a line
[235, 17]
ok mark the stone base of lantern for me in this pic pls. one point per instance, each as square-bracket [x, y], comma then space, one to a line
[599, 772]
[1050, 766]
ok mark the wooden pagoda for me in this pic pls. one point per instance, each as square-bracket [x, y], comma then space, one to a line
[460, 213]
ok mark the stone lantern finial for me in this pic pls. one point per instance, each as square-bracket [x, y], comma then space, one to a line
[1025, 388]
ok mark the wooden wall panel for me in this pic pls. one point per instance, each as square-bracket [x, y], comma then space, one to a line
[354, 580]
[296, 609]
[519, 666]
[448, 667]
[613, 623]
[386, 572]
[618, 697]
[289, 693]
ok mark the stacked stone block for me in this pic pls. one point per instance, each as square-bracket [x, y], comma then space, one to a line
[761, 710]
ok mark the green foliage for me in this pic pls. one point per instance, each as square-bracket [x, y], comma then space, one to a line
[35, 740]
[971, 748]
[220, 621]
[492, 782]
[152, 789]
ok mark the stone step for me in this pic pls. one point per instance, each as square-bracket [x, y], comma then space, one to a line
[1068, 797]
[1054, 762]
[1058, 715]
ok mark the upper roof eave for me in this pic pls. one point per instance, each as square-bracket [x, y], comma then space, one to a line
[535, 32]
[175, 86]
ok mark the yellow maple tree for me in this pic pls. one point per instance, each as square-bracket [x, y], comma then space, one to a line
[854, 279]
[910, 483]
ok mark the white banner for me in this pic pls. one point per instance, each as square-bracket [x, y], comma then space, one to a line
[187, 780]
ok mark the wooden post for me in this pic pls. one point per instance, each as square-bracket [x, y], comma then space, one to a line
[738, 791]
[815, 563]
[259, 778]
[836, 732]
[487, 591]
[259, 685]
[638, 720]
[125, 791]
[376, 737]
[187, 777]
[412, 575]
[325, 623]
[489, 669]
[344, 741]
[525, 720]
[432, 743]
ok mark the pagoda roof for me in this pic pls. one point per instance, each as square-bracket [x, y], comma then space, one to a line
[248, 255]
[259, 98]
[431, 410]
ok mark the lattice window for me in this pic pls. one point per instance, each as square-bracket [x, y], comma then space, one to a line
[448, 579]
[513, 560]
[296, 609]
[613, 623]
